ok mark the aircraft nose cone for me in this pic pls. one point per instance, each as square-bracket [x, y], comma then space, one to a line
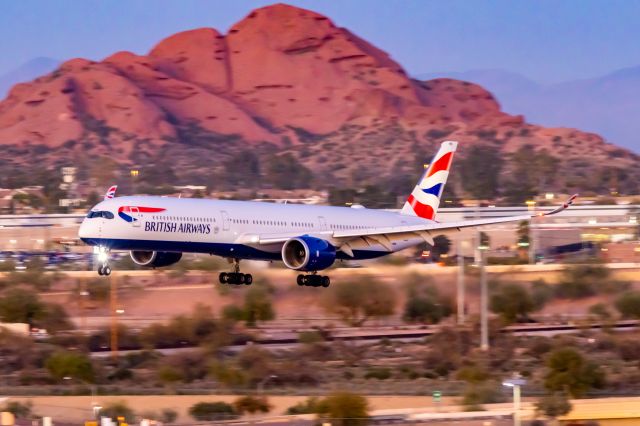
[83, 232]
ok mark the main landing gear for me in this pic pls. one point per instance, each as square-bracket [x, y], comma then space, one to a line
[103, 259]
[235, 277]
[314, 280]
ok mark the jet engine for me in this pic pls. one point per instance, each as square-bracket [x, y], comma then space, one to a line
[308, 254]
[154, 259]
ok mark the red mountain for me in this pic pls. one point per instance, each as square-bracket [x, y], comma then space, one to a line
[283, 78]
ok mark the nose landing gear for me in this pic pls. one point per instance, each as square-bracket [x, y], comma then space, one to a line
[103, 258]
[313, 280]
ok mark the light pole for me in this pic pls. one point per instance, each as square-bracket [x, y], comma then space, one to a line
[264, 381]
[460, 286]
[515, 384]
[484, 300]
[531, 207]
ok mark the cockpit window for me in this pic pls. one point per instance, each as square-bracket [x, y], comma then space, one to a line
[101, 213]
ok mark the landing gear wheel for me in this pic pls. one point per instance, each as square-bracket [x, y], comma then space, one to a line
[239, 278]
[248, 279]
[326, 281]
[100, 271]
[106, 270]
[223, 278]
[301, 280]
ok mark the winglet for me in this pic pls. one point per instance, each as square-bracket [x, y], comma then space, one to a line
[111, 192]
[564, 206]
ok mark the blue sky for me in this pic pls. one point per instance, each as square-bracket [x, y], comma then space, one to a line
[547, 40]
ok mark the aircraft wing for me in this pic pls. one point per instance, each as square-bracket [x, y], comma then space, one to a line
[385, 235]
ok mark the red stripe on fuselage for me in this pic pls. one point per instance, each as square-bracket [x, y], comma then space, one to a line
[141, 209]
[422, 210]
[442, 163]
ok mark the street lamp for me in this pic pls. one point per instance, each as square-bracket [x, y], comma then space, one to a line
[515, 384]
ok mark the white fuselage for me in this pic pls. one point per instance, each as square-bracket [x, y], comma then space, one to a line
[231, 228]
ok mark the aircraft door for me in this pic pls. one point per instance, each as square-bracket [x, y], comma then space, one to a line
[137, 218]
[323, 223]
[225, 221]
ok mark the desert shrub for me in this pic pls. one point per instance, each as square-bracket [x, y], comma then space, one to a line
[553, 405]
[345, 409]
[357, 301]
[380, 373]
[579, 281]
[69, 364]
[629, 350]
[475, 395]
[309, 406]
[629, 304]
[116, 409]
[252, 404]
[568, 371]
[19, 409]
[424, 304]
[512, 302]
[212, 411]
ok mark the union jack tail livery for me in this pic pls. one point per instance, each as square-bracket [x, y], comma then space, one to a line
[425, 198]
[111, 192]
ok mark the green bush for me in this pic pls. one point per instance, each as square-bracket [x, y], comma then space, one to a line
[380, 373]
[345, 409]
[212, 411]
[629, 305]
[69, 364]
[554, 405]
[568, 371]
[512, 302]
[357, 301]
[251, 404]
[116, 409]
[424, 303]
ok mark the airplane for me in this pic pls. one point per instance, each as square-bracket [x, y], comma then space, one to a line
[158, 230]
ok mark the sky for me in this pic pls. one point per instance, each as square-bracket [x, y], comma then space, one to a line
[546, 40]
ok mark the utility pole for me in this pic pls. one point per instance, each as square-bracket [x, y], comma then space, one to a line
[484, 302]
[114, 317]
[531, 208]
[460, 286]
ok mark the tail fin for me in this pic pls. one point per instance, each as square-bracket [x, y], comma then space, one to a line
[425, 198]
[111, 192]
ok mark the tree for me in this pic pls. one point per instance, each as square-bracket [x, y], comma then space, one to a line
[212, 411]
[257, 306]
[286, 172]
[554, 405]
[243, 169]
[69, 364]
[357, 301]
[442, 245]
[629, 304]
[511, 302]
[21, 305]
[425, 305]
[252, 404]
[568, 371]
[480, 170]
[345, 409]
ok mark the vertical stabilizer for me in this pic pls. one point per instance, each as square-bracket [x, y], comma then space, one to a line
[425, 198]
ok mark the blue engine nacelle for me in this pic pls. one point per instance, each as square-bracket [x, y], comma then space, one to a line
[308, 254]
[154, 259]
